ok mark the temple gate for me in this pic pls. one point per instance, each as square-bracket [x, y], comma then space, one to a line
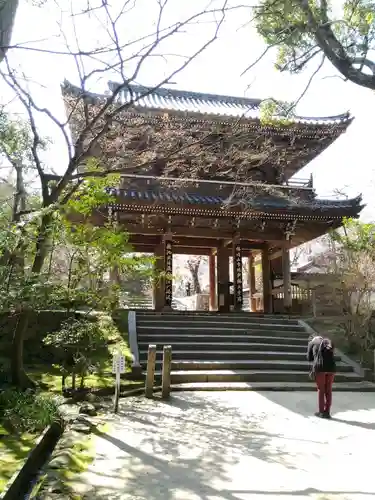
[229, 190]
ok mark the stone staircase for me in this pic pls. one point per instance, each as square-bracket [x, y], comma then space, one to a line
[145, 302]
[235, 351]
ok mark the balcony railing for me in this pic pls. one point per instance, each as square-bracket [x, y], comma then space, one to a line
[296, 182]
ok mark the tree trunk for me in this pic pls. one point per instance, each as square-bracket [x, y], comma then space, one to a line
[193, 266]
[19, 377]
[8, 9]
[196, 283]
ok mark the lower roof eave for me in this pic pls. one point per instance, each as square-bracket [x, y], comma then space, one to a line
[218, 212]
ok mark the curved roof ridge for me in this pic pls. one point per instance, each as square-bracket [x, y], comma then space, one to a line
[168, 92]
[197, 102]
[251, 103]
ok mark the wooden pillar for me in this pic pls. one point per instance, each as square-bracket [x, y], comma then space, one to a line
[252, 289]
[163, 269]
[212, 281]
[266, 275]
[287, 280]
[237, 274]
[168, 259]
[158, 284]
[223, 298]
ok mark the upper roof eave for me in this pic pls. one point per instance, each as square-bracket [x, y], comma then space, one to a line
[164, 100]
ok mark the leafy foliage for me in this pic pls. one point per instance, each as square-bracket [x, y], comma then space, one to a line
[300, 30]
[27, 411]
[276, 113]
[56, 256]
[82, 346]
[350, 258]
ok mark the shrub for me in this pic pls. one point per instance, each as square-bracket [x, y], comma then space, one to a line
[81, 345]
[27, 411]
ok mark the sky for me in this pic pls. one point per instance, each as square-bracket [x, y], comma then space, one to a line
[347, 165]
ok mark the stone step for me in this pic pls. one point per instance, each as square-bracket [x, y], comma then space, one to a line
[219, 342]
[218, 330]
[196, 315]
[180, 376]
[218, 324]
[229, 346]
[360, 386]
[299, 355]
[244, 364]
[201, 336]
[211, 350]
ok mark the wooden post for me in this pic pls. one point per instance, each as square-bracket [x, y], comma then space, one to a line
[212, 281]
[266, 275]
[158, 285]
[237, 274]
[223, 298]
[168, 260]
[287, 280]
[151, 359]
[251, 271]
[166, 372]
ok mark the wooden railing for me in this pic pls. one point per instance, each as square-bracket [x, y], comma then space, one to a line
[298, 183]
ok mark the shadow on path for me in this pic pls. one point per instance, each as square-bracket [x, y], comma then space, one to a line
[188, 443]
[207, 447]
[306, 405]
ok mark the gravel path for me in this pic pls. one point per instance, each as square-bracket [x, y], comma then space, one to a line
[236, 446]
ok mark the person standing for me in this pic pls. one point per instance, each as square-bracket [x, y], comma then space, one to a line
[320, 353]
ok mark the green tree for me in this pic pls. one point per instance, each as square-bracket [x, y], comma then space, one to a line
[95, 129]
[350, 259]
[305, 30]
[91, 250]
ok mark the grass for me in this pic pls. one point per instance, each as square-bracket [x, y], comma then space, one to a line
[13, 451]
[50, 379]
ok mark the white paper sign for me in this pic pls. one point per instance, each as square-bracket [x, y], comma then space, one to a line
[118, 364]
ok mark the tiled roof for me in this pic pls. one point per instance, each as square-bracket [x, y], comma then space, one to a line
[259, 202]
[202, 103]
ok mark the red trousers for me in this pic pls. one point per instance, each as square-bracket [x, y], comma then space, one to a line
[324, 382]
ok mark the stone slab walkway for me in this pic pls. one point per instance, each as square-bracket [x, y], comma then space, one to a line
[236, 446]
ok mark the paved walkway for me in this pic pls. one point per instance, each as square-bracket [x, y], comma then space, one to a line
[236, 446]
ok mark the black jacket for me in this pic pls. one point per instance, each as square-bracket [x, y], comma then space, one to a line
[329, 364]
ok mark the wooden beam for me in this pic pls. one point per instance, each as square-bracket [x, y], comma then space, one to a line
[205, 243]
[200, 232]
[182, 250]
[178, 241]
[305, 231]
